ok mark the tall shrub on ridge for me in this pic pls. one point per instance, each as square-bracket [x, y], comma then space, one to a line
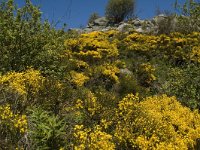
[118, 10]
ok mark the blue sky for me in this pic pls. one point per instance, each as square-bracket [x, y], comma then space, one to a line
[75, 13]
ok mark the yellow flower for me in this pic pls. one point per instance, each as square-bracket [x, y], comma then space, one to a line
[16, 121]
[78, 78]
[195, 54]
[94, 139]
[93, 46]
[79, 103]
[20, 82]
[158, 122]
[111, 71]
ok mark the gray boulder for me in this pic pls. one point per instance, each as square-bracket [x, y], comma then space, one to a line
[107, 28]
[124, 27]
[102, 21]
[97, 28]
[140, 30]
[157, 19]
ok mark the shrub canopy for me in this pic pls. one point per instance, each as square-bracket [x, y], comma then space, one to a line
[118, 10]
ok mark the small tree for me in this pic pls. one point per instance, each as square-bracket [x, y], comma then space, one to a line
[118, 10]
[189, 20]
[93, 16]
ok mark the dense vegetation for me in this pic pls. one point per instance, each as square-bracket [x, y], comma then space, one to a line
[98, 91]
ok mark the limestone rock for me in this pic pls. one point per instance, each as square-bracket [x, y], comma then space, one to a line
[124, 27]
[158, 19]
[102, 21]
[140, 30]
[141, 26]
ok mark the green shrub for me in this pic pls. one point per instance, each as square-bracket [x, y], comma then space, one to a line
[46, 131]
[128, 84]
[118, 10]
[189, 20]
[183, 82]
[27, 41]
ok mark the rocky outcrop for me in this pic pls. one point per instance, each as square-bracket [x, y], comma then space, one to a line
[142, 26]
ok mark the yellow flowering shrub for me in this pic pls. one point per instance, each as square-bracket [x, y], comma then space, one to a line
[12, 120]
[195, 54]
[93, 57]
[180, 46]
[86, 109]
[111, 72]
[78, 78]
[79, 64]
[20, 89]
[175, 45]
[158, 122]
[92, 46]
[22, 82]
[140, 42]
[125, 118]
[146, 73]
[89, 104]
[92, 139]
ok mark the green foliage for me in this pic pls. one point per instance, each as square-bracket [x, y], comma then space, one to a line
[118, 10]
[189, 20]
[128, 84]
[47, 131]
[183, 82]
[93, 16]
[26, 41]
[146, 74]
